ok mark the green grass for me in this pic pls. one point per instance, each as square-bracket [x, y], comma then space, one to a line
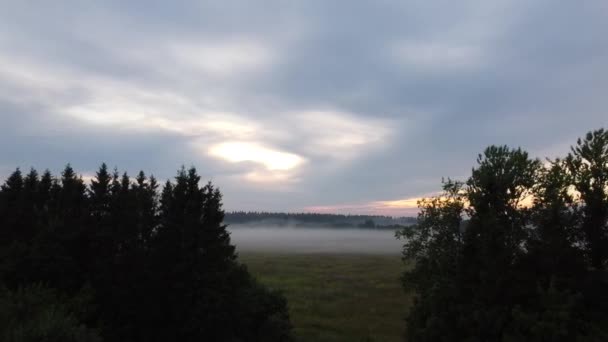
[337, 297]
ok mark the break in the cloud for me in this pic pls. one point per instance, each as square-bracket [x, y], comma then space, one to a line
[306, 105]
[237, 152]
[404, 207]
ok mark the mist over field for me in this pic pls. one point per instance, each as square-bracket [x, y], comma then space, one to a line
[314, 240]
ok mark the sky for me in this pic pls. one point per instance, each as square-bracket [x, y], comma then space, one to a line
[326, 106]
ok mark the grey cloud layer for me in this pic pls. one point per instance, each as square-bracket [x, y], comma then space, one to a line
[379, 98]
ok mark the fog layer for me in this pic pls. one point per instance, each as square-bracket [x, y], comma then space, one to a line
[314, 240]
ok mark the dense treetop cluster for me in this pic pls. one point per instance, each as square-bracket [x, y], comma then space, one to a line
[116, 260]
[518, 252]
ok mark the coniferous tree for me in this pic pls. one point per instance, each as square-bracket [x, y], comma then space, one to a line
[10, 207]
[152, 270]
[35, 313]
[13, 250]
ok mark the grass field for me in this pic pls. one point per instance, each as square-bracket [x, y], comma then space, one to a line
[337, 297]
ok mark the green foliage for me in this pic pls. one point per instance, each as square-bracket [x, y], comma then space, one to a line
[158, 269]
[528, 262]
[435, 246]
[588, 167]
[36, 313]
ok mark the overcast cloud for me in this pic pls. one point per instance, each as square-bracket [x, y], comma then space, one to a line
[302, 105]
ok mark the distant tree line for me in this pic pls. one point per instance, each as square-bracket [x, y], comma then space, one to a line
[253, 218]
[518, 252]
[116, 260]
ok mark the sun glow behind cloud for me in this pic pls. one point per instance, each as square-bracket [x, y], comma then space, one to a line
[273, 160]
[211, 122]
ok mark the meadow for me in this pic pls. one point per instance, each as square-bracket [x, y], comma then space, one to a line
[337, 297]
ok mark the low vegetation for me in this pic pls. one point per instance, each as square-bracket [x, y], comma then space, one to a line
[337, 297]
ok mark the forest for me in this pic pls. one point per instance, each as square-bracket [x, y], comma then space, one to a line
[308, 220]
[118, 261]
[516, 252]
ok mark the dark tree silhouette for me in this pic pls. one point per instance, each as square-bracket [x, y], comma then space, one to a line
[35, 313]
[529, 261]
[265, 219]
[588, 166]
[151, 271]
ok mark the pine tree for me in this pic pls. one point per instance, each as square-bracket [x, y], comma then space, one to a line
[13, 227]
[44, 195]
[156, 271]
[11, 197]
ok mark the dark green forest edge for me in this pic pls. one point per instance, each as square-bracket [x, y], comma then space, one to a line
[115, 261]
[315, 220]
[518, 252]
